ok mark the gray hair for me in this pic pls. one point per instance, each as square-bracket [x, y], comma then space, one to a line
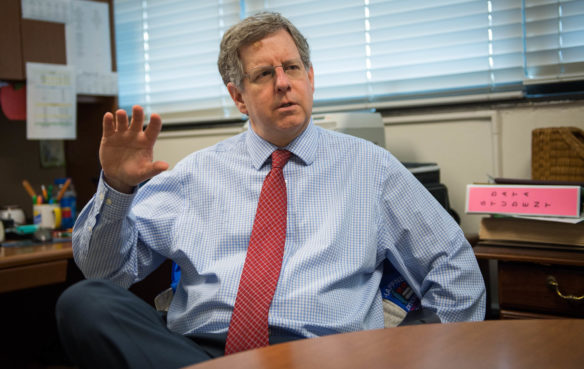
[248, 31]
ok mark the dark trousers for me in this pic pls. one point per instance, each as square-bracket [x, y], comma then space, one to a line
[102, 325]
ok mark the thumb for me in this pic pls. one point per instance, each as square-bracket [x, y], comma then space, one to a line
[160, 166]
[156, 168]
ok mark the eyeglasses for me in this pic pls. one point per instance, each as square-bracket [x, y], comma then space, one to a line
[265, 74]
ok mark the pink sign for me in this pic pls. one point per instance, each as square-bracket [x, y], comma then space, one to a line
[562, 201]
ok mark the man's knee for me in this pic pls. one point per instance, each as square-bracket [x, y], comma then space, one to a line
[82, 302]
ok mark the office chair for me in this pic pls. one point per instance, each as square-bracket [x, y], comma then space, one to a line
[401, 306]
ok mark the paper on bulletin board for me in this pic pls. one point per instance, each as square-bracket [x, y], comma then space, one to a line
[58, 11]
[89, 49]
[103, 83]
[51, 104]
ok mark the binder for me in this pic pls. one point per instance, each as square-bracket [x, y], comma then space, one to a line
[533, 200]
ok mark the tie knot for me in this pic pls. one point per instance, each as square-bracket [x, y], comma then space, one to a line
[280, 158]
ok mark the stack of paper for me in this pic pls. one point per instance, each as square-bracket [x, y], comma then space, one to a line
[530, 232]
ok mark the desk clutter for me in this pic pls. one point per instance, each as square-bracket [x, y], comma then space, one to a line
[529, 213]
[545, 211]
[531, 240]
[54, 212]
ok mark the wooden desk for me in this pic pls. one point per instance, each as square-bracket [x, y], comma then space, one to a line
[33, 266]
[31, 280]
[522, 280]
[514, 344]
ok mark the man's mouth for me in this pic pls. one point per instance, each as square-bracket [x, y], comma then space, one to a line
[285, 105]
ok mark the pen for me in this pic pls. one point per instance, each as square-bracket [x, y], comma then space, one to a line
[28, 188]
[44, 191]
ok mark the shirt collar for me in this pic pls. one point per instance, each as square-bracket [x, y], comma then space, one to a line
[303, 147]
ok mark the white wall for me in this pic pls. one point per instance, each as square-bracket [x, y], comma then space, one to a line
[468, 146]
[174, 145]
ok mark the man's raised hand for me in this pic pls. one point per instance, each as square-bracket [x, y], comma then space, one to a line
[126, 151]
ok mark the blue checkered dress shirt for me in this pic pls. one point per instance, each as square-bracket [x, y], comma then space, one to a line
[351, 205]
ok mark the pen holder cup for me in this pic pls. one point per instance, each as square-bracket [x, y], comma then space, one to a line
[47, 216]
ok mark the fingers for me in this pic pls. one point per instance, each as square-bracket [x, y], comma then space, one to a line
[121, 120]
[108, 125]
[137, 119]
[154, 127]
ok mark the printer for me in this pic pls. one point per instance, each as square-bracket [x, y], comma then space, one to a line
[369, 126]
[429, 175]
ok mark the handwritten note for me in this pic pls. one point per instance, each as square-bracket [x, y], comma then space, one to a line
[527, 200]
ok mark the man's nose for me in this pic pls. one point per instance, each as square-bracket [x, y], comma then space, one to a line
[282, 79]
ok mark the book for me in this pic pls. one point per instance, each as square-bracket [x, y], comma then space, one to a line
[534, 200]
[524, 231]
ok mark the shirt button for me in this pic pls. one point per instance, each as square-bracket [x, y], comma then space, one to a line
[108, 201]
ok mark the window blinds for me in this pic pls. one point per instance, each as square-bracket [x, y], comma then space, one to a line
[167, 57]
[366, 53]
[554, 40]
[374, 51]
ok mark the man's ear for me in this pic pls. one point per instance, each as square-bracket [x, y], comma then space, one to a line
[311, 77]
[237, 98]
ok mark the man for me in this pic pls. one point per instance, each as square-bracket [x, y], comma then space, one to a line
[349, 206]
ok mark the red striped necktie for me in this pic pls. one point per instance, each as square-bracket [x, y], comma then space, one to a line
[248, 328]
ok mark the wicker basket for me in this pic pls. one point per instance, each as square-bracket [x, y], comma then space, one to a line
[557, 153]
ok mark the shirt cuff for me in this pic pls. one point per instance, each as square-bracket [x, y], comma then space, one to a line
[113, 204]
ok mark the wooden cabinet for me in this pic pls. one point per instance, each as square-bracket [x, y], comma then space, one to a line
[534, 282]
[11, 66]
[27, 40]
[43, 42]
